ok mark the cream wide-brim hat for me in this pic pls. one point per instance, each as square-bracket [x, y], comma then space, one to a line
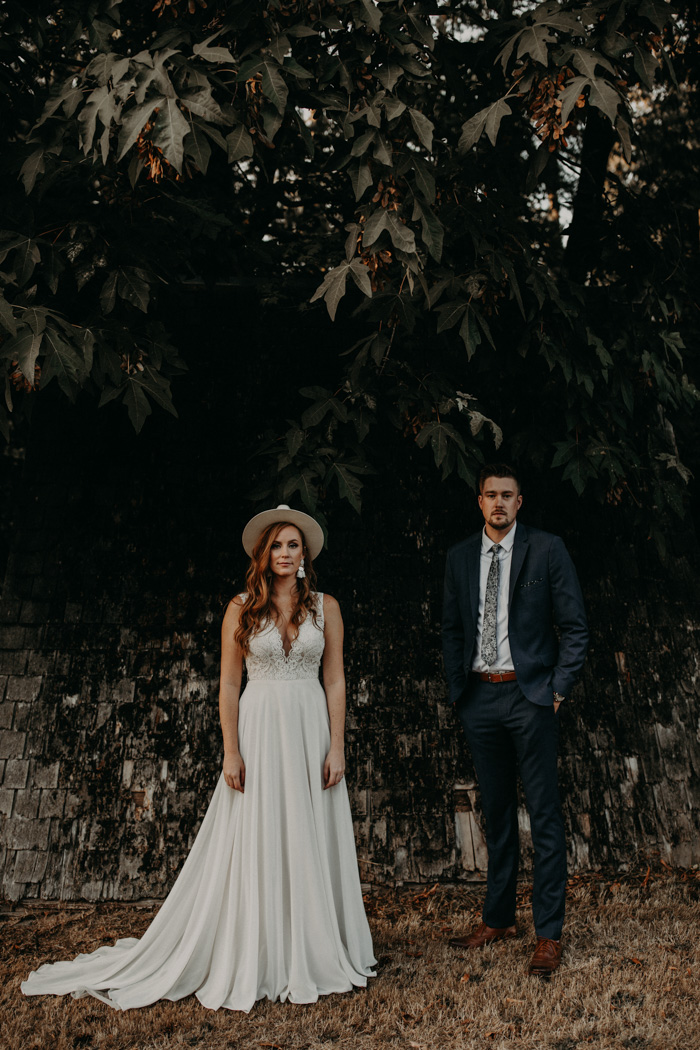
[313, 533]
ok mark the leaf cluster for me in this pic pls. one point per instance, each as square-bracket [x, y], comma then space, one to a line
[412, 164]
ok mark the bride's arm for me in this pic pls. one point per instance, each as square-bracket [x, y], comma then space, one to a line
[334, 685]
[229, 692]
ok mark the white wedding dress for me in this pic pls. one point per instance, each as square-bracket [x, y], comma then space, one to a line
[268, 902]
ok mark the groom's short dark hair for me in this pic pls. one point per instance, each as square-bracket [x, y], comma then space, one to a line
[497, 470]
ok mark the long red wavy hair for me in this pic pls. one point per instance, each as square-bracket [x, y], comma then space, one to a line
[258, 608]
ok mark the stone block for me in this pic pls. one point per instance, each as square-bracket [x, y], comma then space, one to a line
[33, 563]
[34, 612]
[75, 805]
[12, 637]
[41, 588]
[9, 610]
[41, 662]
[11, 743]
[106, 637]
[9, 889]
[26, 803]
[32, 638]
[22, 718]
[142, 664]
[36, 745]
[7, 796]
[112, 613]
[92, 611]
[93, 663]
[121, 691]
[26, 834]
[16, 773]
[52, 803]
[128, 638]
[6, 713]
[103, 713]
[59, 637]
[21, 586]
[92, 890]
[29, 866]
[44, 775]
[13, 662]
[24, 688]
[62, 666]
[73, 613]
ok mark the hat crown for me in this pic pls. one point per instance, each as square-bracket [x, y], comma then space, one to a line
[313, 533]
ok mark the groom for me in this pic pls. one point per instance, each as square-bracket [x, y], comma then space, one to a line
[506, 589]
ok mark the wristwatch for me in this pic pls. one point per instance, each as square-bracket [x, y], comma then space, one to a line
[559, 698]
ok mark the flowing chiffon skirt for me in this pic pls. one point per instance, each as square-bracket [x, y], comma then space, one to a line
[268, 902]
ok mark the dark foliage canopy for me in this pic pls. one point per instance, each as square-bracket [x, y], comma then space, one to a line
[496, 202]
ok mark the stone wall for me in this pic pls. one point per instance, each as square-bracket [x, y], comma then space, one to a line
[122, 554]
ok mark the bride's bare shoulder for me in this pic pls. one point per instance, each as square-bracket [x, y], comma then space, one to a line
[233, 609]
[330, 605]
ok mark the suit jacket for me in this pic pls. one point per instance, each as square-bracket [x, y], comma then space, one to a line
[544, 591]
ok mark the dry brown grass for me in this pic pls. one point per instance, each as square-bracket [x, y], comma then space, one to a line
[629, 980]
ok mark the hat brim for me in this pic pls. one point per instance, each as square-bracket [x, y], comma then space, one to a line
[313, 533]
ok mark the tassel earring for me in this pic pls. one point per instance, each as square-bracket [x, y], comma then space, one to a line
[300, 571]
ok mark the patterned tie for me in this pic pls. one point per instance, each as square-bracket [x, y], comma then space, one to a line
[489, 644]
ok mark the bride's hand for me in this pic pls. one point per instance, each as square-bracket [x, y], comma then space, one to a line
[333, 768]
[234, 771]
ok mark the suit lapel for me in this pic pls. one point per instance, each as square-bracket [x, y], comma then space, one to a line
[473, 574]
[520, 546]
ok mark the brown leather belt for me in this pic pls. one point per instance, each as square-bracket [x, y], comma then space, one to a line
[495, 676]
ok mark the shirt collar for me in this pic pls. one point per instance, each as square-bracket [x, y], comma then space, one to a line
[506, 543]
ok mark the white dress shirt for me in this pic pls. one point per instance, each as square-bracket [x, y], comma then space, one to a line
[504, 660]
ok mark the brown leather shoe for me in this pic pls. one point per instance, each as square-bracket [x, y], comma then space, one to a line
[482, 935]
[547, 957]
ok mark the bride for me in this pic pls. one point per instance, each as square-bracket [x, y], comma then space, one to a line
[268, 902]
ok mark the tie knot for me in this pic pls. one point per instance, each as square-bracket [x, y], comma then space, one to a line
[496, 548]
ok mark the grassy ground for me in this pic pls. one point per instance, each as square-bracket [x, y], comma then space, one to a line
[629, 980]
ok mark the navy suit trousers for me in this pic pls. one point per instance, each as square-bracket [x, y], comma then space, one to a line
[508, 733]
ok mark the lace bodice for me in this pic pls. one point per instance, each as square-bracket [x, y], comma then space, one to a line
[267, 659]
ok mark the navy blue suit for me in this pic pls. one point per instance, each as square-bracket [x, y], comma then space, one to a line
[511, 726]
